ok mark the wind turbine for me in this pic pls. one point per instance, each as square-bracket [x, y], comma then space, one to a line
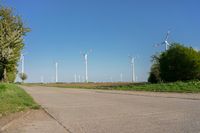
[75, 77]
[79, 78]
[42, 79]
[85, 55]
[52, 79]
[56, 64]
[111, 79]
[121, 77]
[165, 42]
[22, 61]
[83, 79]
[132, 59]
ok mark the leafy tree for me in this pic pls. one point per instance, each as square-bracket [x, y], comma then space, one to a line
[12, 31]
[179, 63]
[23, 76]
[154, 75]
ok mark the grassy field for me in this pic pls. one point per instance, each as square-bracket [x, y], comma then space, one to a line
[180, 87]
[14, 99]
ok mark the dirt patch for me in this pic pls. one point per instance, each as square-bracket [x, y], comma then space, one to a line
[7, 119]
[34, 121]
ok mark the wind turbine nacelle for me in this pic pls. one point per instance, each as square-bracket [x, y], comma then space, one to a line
[86, 56]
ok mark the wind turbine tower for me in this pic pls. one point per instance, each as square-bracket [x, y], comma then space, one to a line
[42, 79]
[79, 78]
[56, 72]
[22, 61]
[111, 79]
[86, 67]
[132, 67]
[85, 55]
[75, 77]
[121, 77]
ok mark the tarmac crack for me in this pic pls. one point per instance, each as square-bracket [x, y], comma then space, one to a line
[60, 123]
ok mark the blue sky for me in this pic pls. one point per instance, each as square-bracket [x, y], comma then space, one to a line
[113, 29]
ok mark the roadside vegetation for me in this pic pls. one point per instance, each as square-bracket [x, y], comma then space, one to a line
[12, 32]
[14, 99]
[180, 87]
[178, 63]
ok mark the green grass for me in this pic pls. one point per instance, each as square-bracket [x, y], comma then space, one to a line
[180, 87]
[14, 99]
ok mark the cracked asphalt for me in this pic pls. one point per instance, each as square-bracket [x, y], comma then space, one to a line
[101, 111]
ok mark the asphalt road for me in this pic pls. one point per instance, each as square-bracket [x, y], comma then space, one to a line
[92, 111]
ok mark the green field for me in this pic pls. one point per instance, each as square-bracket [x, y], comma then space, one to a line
[14, 99]
[180, 87]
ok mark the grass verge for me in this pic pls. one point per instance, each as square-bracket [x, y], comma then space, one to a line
[14, 99]
[180, 87]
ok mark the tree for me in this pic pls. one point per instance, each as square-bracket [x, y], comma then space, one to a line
[23, 76]
[179, 63]
[12, 31]
[154, 75]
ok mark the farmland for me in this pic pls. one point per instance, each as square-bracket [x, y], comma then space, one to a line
[180, 87]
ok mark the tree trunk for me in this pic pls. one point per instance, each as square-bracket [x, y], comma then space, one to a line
[4, 74]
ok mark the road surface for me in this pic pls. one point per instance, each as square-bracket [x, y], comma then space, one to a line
[98, 111]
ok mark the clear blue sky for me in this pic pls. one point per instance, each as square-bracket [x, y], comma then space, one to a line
[113, 29]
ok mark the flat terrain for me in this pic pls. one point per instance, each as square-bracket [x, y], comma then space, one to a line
[14, 99]
[101, 111]
[180, 87]
[33, 121]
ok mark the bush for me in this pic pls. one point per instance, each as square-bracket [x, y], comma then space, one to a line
[179, 63]
[23, 76]
[154, 76]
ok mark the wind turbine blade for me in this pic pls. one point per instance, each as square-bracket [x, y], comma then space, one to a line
[167, 36]
[156, 45]
[21, 56]
[159, 44]
[167, 43]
